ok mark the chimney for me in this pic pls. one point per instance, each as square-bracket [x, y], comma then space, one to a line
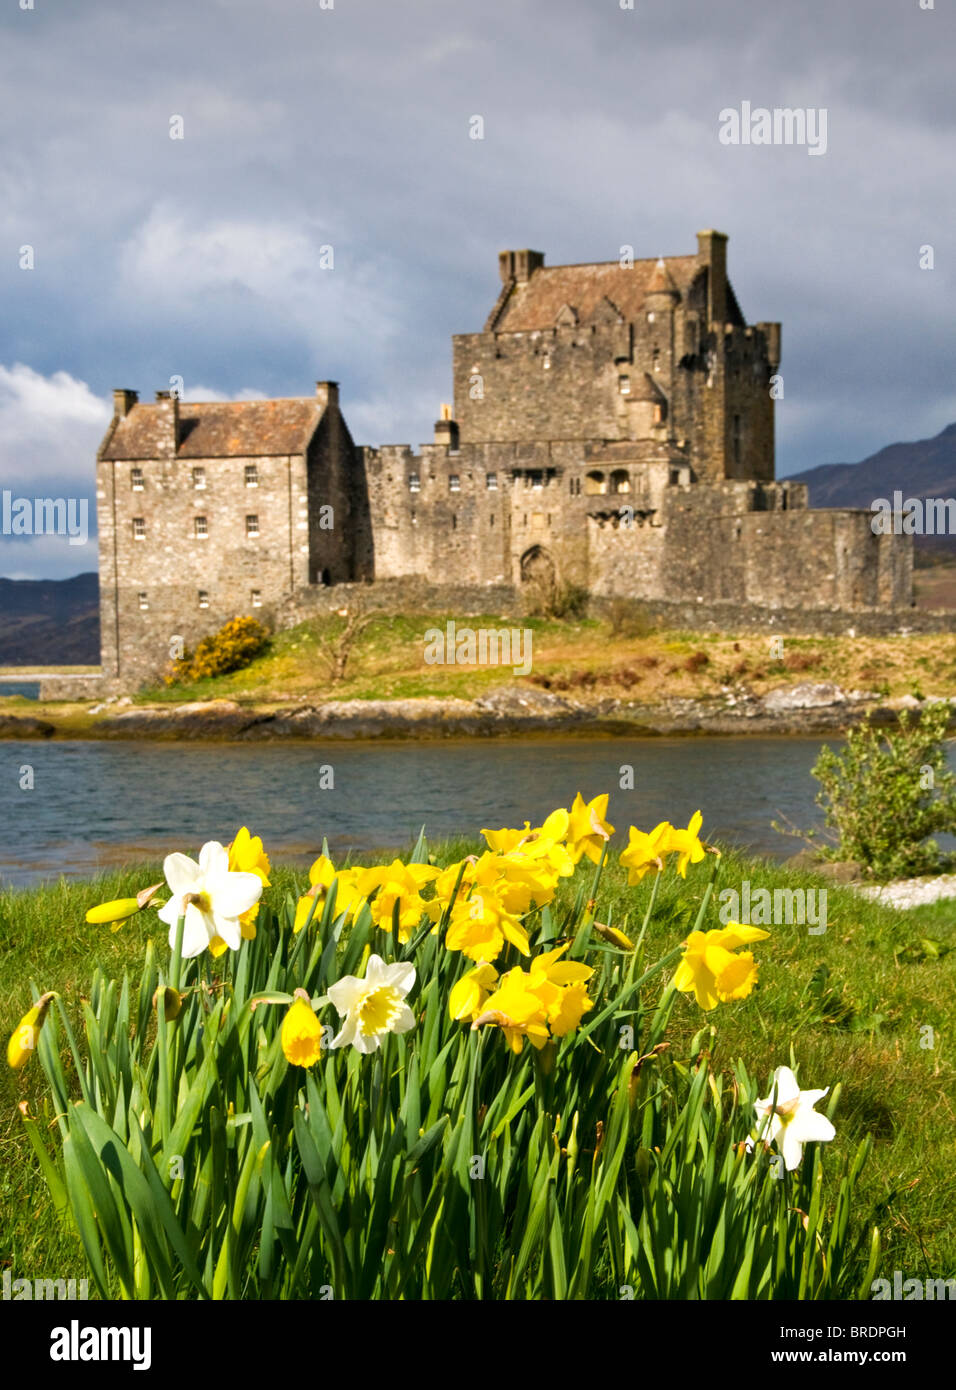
[712, 253]
[446, 430]
[771, 333]
[327, 393]
[519, 265]
[123, 402]
[167, 440]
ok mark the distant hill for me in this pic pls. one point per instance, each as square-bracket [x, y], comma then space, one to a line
[922, 468]
[50, 622]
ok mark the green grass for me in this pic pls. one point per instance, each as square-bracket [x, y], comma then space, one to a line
[854, 1004]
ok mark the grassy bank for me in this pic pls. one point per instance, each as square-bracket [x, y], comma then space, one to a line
[585, 659]
[854, 1003]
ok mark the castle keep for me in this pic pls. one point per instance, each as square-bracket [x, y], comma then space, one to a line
[612, 429]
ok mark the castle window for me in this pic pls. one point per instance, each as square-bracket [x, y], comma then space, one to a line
[491, 482]
[620, 480]
[252, 525]
[546, 362]
[536, 478]
[414, 519]
[199, 478]
[454, 482]
[656, 359]
[139, 528]
[143, 603]
[136, 479]
[414, 483]
[650, 318]
[252, 475]
[595, 484]
[736, 439]
[203, 598]
[491, 519]
[201, 528]
[454, 521]
[624, 385]
[256, 597]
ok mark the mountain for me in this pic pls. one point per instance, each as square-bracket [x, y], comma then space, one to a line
[50, 622]
[922, 468]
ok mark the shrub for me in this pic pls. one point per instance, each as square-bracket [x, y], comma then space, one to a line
[887, 793]
[230, 649]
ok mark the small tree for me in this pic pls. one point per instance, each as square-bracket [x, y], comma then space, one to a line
[886, 794]
[336, 650]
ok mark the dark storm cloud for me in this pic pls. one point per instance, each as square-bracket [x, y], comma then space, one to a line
[349, 127]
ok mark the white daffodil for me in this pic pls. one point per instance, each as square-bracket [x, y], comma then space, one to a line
[374, 1006]
[788, 1119]
[211, 897]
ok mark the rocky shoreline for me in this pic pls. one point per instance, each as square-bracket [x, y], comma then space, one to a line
[806, 708]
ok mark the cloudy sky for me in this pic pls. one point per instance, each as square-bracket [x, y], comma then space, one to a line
[346, 123]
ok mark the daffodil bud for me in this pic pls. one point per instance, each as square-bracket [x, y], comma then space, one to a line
[172, 1002]
[114, 913]
[301, 1033]
[23, 1039]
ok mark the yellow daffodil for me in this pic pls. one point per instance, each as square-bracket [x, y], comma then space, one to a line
[468, 995]
[246, 855]
[301, 1033]
[518, 1010]
[502, 841]
[374, 1005]
[401, 884]
[480, 925]
[546, 1000]
[646, 851]
[712, 971]
[348, 899]
[114, 914]
[23, 1039]
[686, 844]
[588, 830]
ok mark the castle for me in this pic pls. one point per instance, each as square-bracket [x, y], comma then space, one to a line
[612, 429]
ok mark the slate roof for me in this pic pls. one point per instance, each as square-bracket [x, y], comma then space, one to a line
[219, 429]
[536, 304]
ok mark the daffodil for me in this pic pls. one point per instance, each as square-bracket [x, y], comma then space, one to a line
[518, 1010]
[546, 1000]
[614, 935]
[480, 925]
[646, 851]
[397, 884]
[321, 876]
[588, 830]
[787, 1118]
[246, 855]
[374, 1006]
[23, 1039]
[301, 1033]
[686, 844]
[114, 914]
[714, 969]
[468, 994]
[211, 897]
